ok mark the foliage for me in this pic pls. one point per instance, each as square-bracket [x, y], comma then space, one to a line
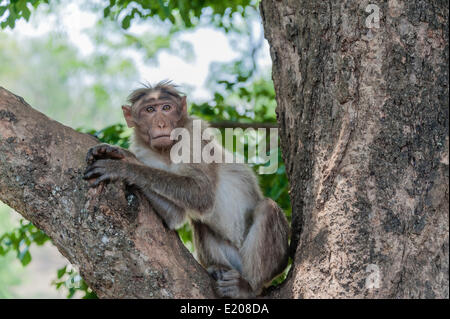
[10, 273]
[116, 134]
[185, 13]
[68, 278]
[17, 9]
[20, 240]
[81, 86]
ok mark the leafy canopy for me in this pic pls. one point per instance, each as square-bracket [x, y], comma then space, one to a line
[179, 12]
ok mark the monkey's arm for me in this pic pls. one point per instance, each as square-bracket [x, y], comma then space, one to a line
[193, 190]
[172, 215]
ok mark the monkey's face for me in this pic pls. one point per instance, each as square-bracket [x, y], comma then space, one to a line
[156, 122]
[155, 116]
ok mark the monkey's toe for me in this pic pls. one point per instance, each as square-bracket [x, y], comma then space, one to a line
[227, 291]
[231, 274]
[230, 284]
[217, 271]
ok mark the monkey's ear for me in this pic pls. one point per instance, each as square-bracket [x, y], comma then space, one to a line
[183, 105]
[128, 116]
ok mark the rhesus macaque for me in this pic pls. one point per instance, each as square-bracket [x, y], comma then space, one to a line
[240, 237]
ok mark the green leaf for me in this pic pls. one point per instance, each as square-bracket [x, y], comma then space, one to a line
[126, 21]
[61, 272]
[21, 5]
[106, 12]
[2, 10]
[25, 257]
[26, 13]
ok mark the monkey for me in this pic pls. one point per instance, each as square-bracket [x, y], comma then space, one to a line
[239, 236]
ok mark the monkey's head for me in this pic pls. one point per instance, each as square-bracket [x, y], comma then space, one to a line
[154, 112]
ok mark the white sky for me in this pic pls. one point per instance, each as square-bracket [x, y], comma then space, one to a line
[209, 45]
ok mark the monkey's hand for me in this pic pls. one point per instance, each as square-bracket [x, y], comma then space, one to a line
[108, 170]
[106, 151]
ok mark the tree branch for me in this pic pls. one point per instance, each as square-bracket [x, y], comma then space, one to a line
[121, 247]
[254, 125]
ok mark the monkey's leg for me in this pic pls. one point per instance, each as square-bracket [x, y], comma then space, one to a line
[265, 249]
[222, 260]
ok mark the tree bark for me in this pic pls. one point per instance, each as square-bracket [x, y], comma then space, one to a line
[363, 116]
[112, 235]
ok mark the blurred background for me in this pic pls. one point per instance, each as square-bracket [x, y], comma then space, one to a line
[77, 61]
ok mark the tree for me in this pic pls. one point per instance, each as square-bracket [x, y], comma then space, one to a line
[363, 116]
[362, 94]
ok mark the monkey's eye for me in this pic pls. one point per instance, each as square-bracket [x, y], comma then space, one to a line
[150, 109]
[166, 107]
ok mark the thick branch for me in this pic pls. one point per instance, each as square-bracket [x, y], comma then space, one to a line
[121, 247]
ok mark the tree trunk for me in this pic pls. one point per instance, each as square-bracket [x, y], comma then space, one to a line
[120, 246]
[363, 116]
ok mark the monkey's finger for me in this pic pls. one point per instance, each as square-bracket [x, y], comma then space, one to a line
[90, 168]
[90, 157]
[97, 152]
[93, 154]
[108, 151]
[102, 151]
[226, 292]
[97, 164]
[93, 173]
[103, 178]
[230, 275]
[115, 154]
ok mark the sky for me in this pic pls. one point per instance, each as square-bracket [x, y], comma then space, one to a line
[209, 45]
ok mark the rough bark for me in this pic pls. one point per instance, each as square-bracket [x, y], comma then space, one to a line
[121, 247]
[363, 116]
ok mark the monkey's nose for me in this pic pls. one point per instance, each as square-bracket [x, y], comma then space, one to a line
[162, 125]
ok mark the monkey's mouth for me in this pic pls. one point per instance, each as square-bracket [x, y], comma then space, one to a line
[161, 136]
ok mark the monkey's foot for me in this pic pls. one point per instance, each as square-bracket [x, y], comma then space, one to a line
[230, 284]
